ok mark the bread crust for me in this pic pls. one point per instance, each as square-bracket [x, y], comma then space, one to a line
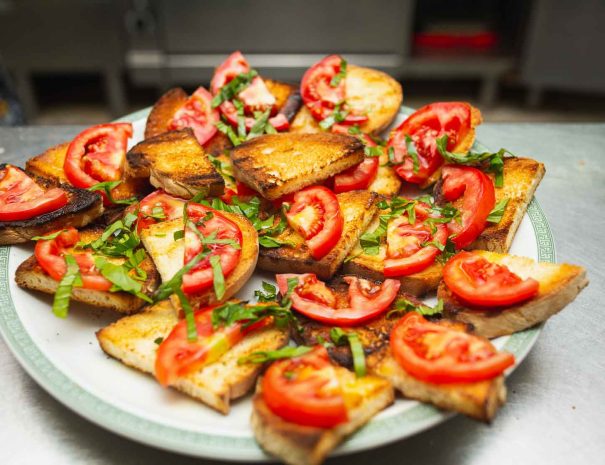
[163, 111]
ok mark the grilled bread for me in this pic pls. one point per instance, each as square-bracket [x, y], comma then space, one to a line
[131, 340]
[175, 162]
[368, 91]
[169, 255]
[49, 165]
[480, 399]
[279, 164]
[82, 208]
[287, 100]
[358, 209]
[386, 183]
[30, 275]
[521, 178]
[307, 445]
[369, 266]
[373, 334]
[559, 285]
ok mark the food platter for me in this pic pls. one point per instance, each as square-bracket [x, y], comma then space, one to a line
[64, 358]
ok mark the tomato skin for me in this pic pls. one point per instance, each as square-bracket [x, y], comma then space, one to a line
[424, 127]
[97, 154]
[456, 356]
[357, 177]
[479, 199]
[366, 300]
[197, 113]
[21, 198]
[479, 282]
[171, 206]
[200, 278]
[234, 64]
[177, 356]
[50, 256]
[327, 227]
[305, 396]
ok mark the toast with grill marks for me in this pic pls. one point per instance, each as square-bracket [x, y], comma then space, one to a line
[306, 445]
[132, 341]
[358, 209]
[368, 91]
[287, 101]
[30, 275]
[175, 162]
[373, 334]
[82, 208]
[280, 164]
[169, 256]
[479, 400]
[559, 285]
[49, 165]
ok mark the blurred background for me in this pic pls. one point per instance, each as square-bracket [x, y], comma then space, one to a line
[88, 61]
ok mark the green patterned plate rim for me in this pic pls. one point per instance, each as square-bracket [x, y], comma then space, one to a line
[380, 431]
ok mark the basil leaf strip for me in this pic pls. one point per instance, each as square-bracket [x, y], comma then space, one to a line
[342, 74]
[495, 216]
[340, 337]
[107, 187]
[70, 279]
[268, 356]
[48, 237]
[218, 277]
[403, 306]
[234, 87]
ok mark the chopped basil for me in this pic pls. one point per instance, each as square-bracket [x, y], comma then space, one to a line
[268, 294]
[157, 213]
[261, 125]
[404, 306]
[449, 250]
[118, 276]
[340, 337]
[354, 130]
[268, 356]
[70, 279]
[412, 153]
[337, 116]
[118, 239]
[48, 237]
[342, 74]
[495, 216]
[189, 314]
[224, 168]
[218, 277]
[373, 151]
[158, 340]
[491, 162]
[234, 87]
[229, 132]
[178, 235]
[107, 187]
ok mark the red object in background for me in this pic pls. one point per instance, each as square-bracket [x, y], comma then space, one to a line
[448, 40]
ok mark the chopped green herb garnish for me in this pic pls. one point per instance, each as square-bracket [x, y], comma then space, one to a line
[109, 186]
[229, 132]
[70, 279]
[495, 216]
[48, 237]
[268, 294]
[412, 153]
[342, 74]
[118, 276]
[158, 340]
[233, 87]
[268, 356]
[404, 306]
[218, 277]
[340, 337]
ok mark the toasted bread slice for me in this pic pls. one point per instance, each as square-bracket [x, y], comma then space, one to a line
[478, 400]
[307, 445]
[82, 208]
[169, 255]
[386, 183]
[175, 162]
[373, 334]
[30, 275]
[369, 266]
[559, 285]
[163, 111]
[49, 165]
[279, 164]
[358, 209]
[521, 178]
[368, 91]
[131, 340]
[287, 99]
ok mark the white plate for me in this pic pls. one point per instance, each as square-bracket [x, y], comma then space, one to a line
[64, 358]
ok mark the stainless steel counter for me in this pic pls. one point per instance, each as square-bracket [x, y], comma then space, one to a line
[556, 408]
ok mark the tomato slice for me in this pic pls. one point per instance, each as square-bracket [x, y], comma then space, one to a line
[477, 281]
[357, 177]
[209, 222]
[439, 354]
[97, 154]
[478, 200]
[315, 300]
[21, 198]
[406, 253]
[315, 214]
[50, 255]
[424, 127]
[177, 356]
[305, 390]
[197, 113]
[157, 207]
[234, 65]
[320, 96]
